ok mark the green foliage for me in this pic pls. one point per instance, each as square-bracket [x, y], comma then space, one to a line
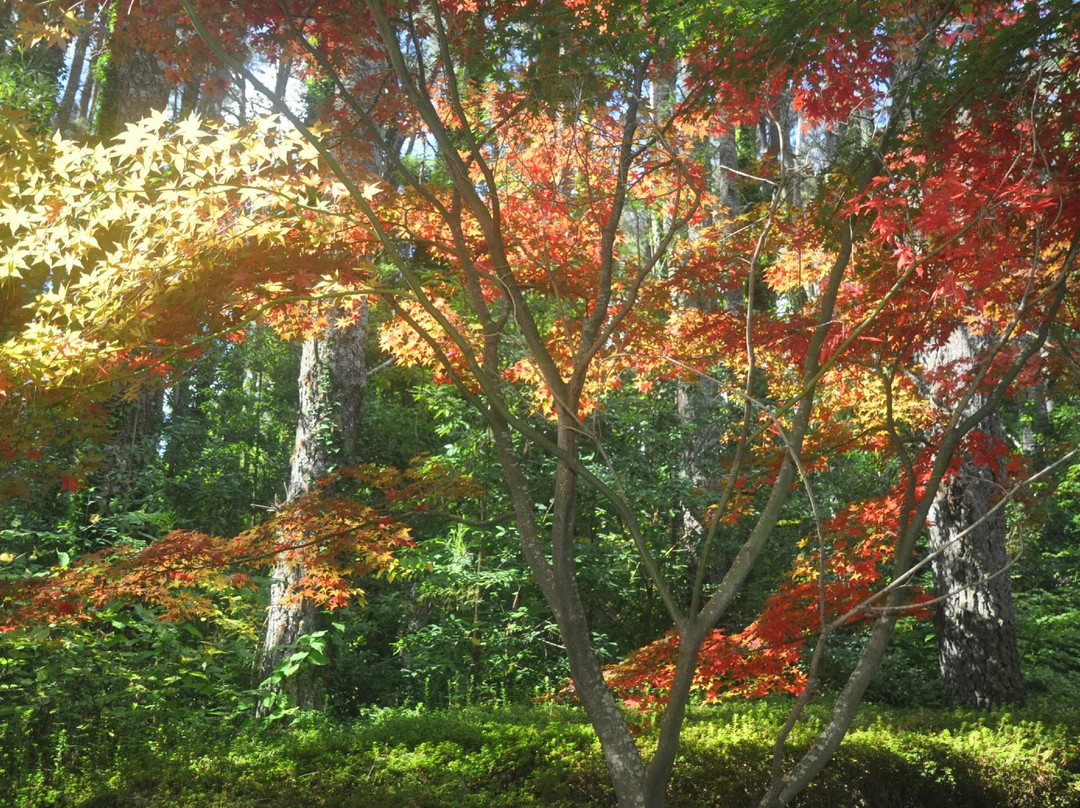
[228, 434]
[482, 632]
[1049, 629]
[66, 690]
[908, 677]
[462, 622]
[28, 80]
[271, 695]
[136, 526]
[548, 756]
[1046, 580]
[396, 423]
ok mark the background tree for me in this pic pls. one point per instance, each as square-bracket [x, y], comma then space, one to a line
[975, 619]
[333, 377]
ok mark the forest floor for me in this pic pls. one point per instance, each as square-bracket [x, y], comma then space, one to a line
[542, 755]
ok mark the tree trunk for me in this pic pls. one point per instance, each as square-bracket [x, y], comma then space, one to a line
[333, 376]
[88, 97]
[134, 87]
[975, 619]
[74, 80]
[1036, 407]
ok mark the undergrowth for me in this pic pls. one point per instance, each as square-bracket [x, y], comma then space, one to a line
[546, 755]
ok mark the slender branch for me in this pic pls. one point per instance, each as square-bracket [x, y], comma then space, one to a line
[742, 448]
[591, 326]
[902, 580]
[459, 173]
[373, 129]
[783, 789]
[501, 519]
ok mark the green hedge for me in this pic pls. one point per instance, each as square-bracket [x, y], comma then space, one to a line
[548, 756]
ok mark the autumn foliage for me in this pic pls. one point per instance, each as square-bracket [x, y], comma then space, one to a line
[121, 260]
[561, 228]
[338, 539]
[769, 655]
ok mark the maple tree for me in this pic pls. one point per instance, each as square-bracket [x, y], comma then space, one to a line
[551, 258]
[575, 303]
[136, 292]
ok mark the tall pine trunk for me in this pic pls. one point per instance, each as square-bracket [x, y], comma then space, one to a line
[975, 618]
[135, 86]
[333, 376]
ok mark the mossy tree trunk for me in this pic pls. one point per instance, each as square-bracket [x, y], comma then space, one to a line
[333, 377]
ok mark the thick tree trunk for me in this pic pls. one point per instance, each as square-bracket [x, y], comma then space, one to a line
[134, 87]
[623, 758]
[975, 619]
[333, 376]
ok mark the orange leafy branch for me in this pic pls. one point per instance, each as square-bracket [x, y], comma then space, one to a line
[339, 539]
[767, 656]
[332, 530]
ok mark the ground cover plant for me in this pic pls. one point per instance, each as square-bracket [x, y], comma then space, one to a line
[547, 755]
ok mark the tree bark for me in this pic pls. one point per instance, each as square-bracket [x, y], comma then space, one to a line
[333, 377]
[134, 87]
[975, 619]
